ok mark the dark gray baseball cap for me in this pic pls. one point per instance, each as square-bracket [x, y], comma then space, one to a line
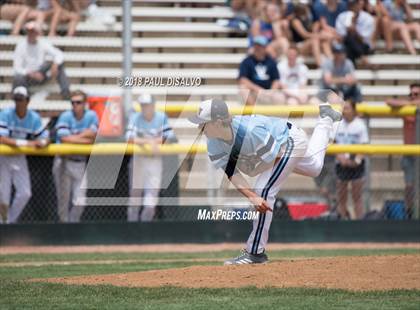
[210, 110]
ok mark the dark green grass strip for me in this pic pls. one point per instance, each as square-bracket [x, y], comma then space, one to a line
[202, 255]
[21, 295]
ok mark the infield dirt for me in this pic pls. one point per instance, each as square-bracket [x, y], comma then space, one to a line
[356, 273]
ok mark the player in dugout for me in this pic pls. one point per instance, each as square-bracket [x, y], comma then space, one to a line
[270, 148]
[19, 126]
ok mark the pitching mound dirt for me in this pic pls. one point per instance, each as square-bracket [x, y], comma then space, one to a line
[351, 273]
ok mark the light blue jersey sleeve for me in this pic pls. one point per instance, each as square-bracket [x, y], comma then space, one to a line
[264, 144]
[63, 125]
[4, 128]
[218, 156]
[167, 131]
[131, 131]
[39, 132]
[92, 121]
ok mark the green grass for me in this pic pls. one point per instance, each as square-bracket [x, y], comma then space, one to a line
[202, 255]
[18, 294]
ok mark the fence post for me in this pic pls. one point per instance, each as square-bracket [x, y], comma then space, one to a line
[416, 211]
[127, 54]
[366, 189]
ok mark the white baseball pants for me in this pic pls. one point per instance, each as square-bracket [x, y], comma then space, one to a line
[299, 156]
[14, 172]
[145, 182]
[68, 179]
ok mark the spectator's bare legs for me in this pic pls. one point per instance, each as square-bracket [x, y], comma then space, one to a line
[312, 46]
[356, 193]
[55, 19]
[73, 19]
[326, 48]
[386, 23]
[415, 29]
[64, 16]
[15, 12]
[237, 5]
[403, 32]
[342, 199]
[278, 47]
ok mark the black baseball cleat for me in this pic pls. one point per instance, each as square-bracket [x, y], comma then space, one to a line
[247, 258]
[326, 110]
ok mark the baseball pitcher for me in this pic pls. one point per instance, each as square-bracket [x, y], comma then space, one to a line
[268, 147]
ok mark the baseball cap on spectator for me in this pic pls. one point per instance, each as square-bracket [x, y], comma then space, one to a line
[260, 40]
[20, 92]
[210, 110]
[33, 26]
[145, 99]
[338, 48]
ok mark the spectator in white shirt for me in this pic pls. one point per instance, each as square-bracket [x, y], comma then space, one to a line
[356, 27]
[36, 61]
[350, 168]
[293, 77]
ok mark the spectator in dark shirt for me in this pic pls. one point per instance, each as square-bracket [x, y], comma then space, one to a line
[326, 15]
[307, 40]
[338, 75]
[258, 72]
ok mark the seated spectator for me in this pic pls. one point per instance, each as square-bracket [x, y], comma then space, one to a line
[258, 72]
[147, 127]
[308, 41]
[242, 16]
[350, 168]
[408, 162]
[19, 126]
[338, 75]
[78, 126]
[375, 9]
[326, 14]
[36, 61]
[16, 12]
[356, 28]
[269, 26]
[293, 77]
[56, 11]
[398, 19]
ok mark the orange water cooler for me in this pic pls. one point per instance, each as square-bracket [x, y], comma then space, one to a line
[110, 111]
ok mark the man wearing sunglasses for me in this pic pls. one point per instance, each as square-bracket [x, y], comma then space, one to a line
[270, 148]
[408, 162]
[78, 126]
[19, 126]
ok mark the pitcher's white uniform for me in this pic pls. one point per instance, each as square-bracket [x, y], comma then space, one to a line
[265, 138]
[146, 171]
[69, 170]
[14, 169]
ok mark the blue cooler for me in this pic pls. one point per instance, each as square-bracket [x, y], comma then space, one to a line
[395, 210]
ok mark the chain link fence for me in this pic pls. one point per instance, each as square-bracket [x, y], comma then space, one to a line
[380, 192]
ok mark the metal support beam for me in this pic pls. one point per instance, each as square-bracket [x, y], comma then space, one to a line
[127, 52]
